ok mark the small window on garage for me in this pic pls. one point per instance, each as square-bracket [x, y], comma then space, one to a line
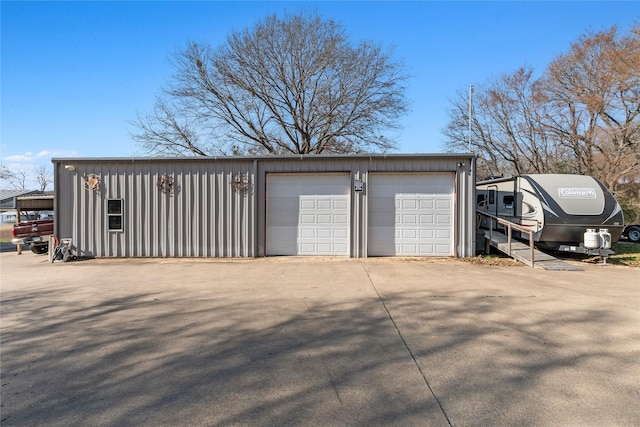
[114, 214]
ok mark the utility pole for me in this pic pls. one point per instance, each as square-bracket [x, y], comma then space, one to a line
[470, 111]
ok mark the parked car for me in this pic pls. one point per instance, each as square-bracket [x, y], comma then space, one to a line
[632, 232]
[33, 233]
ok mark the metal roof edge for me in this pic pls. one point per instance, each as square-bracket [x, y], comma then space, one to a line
[252, 158]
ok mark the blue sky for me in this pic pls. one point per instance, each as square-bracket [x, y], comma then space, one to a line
[74, 73]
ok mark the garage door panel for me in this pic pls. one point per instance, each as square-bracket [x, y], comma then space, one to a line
[443, 204]
[426, 234]
[325, 204]
[443, 219]
[409, 204]
[426, 219]
[382, 234]
[409, 219]
[307, 204]
[409, 249]
[384, 245]
[443, 234]
[286, 241]
[410, 214]
[341, 219]
[341, 248]
[341, 204]
[314, 217]
[382, 204]
[306, 249]
[307, 233]
[409, 234]
[285, 232]
[308, 219]
[340, 234]
[281, 219]
[443, 249]
[325, 249]
[284, 203]
[323, 234]
[325, 219]
[426, 203]
[378, 220]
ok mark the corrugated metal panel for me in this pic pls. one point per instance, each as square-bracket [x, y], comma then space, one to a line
[320, 164]
[206, 216]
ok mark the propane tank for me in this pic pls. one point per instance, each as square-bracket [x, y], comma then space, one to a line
[591, 239]
[605, 238]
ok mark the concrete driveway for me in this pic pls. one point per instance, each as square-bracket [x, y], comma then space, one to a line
[316, 342]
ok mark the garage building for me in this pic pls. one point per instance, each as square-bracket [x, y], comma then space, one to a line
[337, 205]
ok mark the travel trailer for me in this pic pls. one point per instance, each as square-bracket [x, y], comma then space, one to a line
[564, 211]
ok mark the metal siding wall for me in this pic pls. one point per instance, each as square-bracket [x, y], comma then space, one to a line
[206, 217]
[359, 216]
[65, 202]
[87, 218]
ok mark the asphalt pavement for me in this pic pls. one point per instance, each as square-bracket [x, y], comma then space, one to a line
[316, 342]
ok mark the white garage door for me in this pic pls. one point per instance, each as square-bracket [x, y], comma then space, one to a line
[308, 214]
[410, 214]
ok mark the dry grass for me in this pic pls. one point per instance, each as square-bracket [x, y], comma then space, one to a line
[493, 260]
[5, 233]
[627, 253]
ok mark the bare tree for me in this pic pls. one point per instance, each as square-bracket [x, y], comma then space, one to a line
[592, 104]
[14, 179]
[294, 85]
[44, 176]
[582, 116]
[506, 132]
[5, 173]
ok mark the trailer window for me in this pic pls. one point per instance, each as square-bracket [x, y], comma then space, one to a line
[507, 201]
[114, 214]
[480, 199]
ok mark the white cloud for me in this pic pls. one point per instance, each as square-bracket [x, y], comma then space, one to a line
[45, 153]
[57, 153]
[26, 157]
[28, 162]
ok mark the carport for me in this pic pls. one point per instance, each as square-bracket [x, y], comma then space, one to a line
[38, 203]
[34, 203]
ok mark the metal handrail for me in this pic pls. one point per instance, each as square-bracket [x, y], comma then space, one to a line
[510, 226]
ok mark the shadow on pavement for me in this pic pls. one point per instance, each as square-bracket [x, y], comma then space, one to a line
[198, 359]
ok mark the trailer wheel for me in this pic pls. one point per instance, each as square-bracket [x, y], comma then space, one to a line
[633, 233]
[39, 249]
